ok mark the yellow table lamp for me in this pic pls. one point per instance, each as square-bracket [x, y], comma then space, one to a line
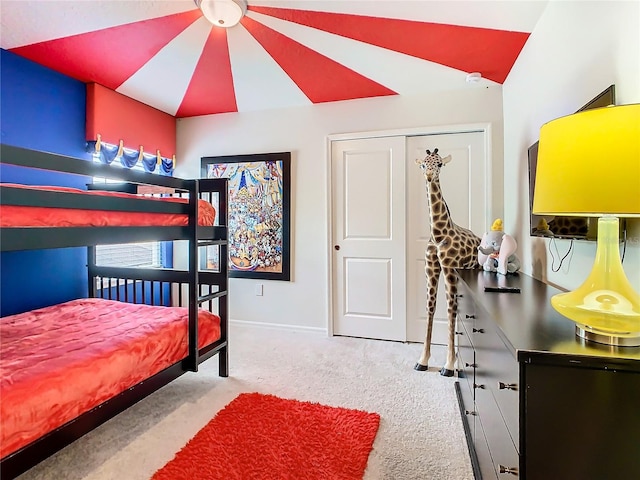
[589, 165]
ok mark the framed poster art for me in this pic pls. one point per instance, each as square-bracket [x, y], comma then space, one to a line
[258, 218]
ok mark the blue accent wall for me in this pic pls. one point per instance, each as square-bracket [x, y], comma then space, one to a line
[42, 110]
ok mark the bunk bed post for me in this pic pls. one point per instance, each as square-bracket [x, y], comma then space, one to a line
[223, 301]
[223, 355]
[91, 263]
[194, 195]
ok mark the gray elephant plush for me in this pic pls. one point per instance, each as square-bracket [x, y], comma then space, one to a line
[496, 252]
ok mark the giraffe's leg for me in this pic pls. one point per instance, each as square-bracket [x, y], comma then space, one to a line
[432, 272]
[451, 284]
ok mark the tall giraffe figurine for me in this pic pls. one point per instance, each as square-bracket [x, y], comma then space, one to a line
[450, 247]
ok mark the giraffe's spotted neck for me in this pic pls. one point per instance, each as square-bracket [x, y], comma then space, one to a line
[441, 223]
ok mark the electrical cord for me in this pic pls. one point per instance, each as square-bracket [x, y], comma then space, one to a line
[624, 242]
[553, 259]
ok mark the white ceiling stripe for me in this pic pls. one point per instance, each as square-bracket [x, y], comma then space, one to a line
[51, 19]
[163, 80]
[259, 81]
[401, 73]
[517, 15]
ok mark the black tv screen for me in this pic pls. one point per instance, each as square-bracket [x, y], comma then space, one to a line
[580, 228]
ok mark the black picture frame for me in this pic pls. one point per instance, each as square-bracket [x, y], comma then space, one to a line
[259, 213]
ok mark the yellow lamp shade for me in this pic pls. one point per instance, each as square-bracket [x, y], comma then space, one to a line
[589, 164]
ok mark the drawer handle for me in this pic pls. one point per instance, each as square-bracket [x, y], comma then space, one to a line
[509, 470]
[472, 365]
[459, 295]
[469, 316]
[478, 385]
[470, 412]
[478, 330]
[508, 386]
[459, 333]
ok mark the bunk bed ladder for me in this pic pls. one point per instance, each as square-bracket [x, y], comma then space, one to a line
[222, 215]
[191, 362]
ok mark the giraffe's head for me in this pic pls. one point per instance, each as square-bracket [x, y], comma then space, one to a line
[431, 165]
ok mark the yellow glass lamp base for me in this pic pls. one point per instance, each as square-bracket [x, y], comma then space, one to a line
[605, 308]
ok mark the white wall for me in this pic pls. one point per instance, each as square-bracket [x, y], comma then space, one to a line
[303, 302]
[576, 50]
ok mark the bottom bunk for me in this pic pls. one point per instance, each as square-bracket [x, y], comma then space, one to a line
[68, 368]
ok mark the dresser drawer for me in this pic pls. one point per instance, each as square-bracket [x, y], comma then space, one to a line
[502, 380]
[466, 374]
[487, 470]
[469, 415]
[479, 329]
[466, 308]
[468, 407]
[504, 454]
[465, 349]
[497, 373]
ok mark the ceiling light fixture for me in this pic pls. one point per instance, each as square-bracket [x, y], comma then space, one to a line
[223, 13]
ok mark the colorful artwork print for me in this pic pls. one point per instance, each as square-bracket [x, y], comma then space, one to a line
[258, 214]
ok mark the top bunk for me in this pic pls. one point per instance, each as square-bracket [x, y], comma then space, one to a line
[141, 207]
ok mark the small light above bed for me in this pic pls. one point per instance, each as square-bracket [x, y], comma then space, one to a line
[223, 13]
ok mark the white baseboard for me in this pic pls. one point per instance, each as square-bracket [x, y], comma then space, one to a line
[279, 326]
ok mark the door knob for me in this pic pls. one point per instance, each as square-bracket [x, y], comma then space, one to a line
[337, 247]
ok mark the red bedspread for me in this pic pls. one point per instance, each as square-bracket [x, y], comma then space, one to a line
[20, 216]
[59, 362]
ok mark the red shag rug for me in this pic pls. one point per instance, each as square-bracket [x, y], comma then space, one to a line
[264, 437]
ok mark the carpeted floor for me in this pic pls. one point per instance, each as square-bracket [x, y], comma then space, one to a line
[420, 434]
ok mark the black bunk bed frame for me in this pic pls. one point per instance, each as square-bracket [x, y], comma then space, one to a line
[203, 287]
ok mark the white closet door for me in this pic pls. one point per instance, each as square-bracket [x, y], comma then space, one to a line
[368, 225]
[380, 227]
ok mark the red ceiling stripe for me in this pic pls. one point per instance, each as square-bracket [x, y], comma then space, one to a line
[89, 56]
[320, 78]
[470, 49]
[211, 87]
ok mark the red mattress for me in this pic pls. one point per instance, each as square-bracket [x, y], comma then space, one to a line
[21, 216]
[60, 361]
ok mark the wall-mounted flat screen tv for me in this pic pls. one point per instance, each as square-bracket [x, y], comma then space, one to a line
[579, 228]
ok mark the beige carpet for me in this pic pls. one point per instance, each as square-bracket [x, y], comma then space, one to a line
[420, 435]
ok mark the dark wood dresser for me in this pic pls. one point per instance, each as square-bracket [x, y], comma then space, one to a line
[537, 402]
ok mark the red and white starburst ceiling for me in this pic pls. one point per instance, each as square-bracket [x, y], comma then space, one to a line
[282, 54]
